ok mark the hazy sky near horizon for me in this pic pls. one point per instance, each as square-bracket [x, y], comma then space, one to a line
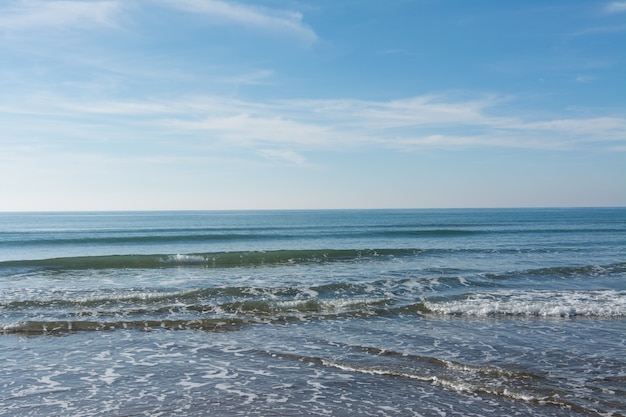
[267, 104]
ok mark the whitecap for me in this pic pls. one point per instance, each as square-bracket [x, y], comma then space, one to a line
[601, 303]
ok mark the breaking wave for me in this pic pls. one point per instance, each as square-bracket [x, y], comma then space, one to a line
[600, 303]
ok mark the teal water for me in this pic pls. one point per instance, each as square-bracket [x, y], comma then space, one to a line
[364, 312]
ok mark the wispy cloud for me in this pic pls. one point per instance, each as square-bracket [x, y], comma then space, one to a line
[604, 30]
[270, 20]
[285, 130]
[246, 129]
[37, 14]
[283, 155]
[251, 78]
[616, 7]
[585, 78]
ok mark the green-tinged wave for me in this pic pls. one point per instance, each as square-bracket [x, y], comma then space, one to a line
[208, 260]
[147, 239]
[202, 298]
[214, 310]
[38, 327]
[564, 271]
[221, 317]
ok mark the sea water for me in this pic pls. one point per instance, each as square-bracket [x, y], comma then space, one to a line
[302, 313]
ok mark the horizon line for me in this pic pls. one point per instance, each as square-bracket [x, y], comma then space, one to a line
[310, 209]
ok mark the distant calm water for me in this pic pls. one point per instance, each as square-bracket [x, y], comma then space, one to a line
[302, 313]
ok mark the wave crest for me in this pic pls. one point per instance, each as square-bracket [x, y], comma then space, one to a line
[601, 303]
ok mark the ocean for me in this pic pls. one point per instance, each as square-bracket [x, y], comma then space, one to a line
[507, 312]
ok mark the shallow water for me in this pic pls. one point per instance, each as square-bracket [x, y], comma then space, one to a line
[399, 312]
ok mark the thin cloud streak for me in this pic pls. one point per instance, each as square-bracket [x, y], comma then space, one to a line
[284, 155]
[300, 125]
[244, 129]
[253, 78]
[33, 14]
[616, 7]
[270, 20]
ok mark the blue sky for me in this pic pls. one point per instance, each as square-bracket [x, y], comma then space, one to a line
[267, 104]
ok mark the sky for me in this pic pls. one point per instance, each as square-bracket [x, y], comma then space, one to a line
[268, 104]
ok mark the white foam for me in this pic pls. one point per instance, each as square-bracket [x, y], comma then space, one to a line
[340, 305]
[109, 376]
[185, 259]
[249, 396]
[219, 373]
[603, 303]
[188, 384]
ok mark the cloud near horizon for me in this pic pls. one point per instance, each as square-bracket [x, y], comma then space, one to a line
[304, 125]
